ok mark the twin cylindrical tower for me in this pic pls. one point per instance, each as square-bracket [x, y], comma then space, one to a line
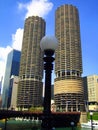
[68, 88]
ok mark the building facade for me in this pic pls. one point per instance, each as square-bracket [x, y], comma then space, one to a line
[31, 65]
[1, 84]
[1, 91]
[12, 68]
[13, 87]
[85, 92]
[68, 85]
[92, 87]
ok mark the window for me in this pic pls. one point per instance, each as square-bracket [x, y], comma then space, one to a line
[97, 80]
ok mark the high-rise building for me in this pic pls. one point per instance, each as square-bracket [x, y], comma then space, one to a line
[12, 68]
[85, 92]
[0, 91]
[31, 64]
[68, 85]
[14, 86]
[1, 84]
[91, 85]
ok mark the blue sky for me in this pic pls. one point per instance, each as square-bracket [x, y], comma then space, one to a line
[14, 12]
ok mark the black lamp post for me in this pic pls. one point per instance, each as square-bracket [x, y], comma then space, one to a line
[91, 114]
[48, 45]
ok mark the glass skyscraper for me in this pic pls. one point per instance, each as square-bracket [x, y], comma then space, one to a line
[0, 90]
[1, 84]
[31, 64]
[68, 86]
[12, 68]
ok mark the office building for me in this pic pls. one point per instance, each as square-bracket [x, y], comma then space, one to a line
[31, 64]
[68, 85]
[1, 84]
[92, 90]
[13, 87]
[85, 93]
[12, 68]
[0, 91]
[52, 91]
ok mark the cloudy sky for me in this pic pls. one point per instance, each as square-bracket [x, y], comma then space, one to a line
[14, 12]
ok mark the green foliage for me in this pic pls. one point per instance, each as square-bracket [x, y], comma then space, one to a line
[36, 109]
[94, 116]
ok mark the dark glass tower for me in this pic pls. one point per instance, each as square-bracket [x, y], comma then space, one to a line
[1, 84]
[31, 65]
[68, 86]
[12, 68]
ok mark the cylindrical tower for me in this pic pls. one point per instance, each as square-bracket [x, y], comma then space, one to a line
[31, 65]
[68, 87]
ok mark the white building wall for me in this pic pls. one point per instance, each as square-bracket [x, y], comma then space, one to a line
[14, 92]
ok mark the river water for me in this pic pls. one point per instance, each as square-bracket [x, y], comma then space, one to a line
[73, 129]
[28, 125]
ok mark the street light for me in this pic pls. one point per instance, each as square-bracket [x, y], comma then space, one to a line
[48, 45]
[91, 114]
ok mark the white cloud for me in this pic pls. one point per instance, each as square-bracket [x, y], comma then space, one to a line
[3, 56]
[17, 39]
[37, 8]
[16, 44]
